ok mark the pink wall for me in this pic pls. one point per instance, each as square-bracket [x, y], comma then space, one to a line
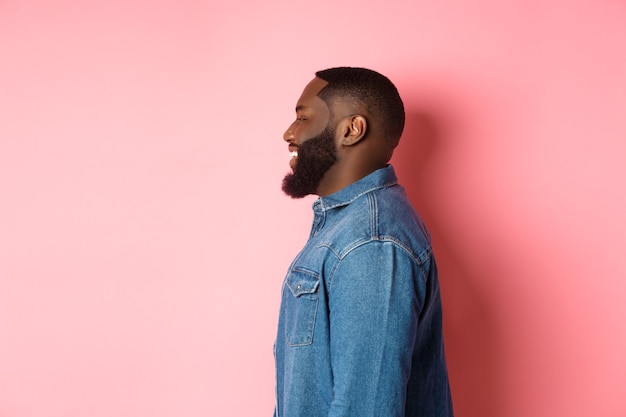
[144, 236]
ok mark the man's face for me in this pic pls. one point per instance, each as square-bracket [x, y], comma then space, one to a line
[311, 143]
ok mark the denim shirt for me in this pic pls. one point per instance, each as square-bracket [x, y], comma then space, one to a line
[360, 330]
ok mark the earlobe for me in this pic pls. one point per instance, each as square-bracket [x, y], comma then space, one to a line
[355, 130]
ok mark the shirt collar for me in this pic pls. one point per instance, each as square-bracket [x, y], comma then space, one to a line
[381, 178]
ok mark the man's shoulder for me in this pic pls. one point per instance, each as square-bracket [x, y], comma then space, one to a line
[396, 219]
[383, 214]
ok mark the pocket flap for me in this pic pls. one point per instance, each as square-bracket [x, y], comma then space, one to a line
[301, 282]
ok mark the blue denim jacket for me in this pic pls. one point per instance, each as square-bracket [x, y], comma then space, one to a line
[360, 332]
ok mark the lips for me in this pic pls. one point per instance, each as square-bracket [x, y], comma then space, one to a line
[294, 157]
[293, 151]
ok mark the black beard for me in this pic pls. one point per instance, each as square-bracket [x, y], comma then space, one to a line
[315, 157]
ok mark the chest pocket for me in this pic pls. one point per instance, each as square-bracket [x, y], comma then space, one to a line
[301, 300]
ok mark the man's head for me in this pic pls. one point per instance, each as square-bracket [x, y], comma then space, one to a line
[348, 121]
[374, 93]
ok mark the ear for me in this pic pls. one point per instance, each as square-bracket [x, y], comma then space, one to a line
[354, 130]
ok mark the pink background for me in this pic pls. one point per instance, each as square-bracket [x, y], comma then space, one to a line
[144, 236]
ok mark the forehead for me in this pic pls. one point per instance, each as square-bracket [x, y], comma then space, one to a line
[309, 96]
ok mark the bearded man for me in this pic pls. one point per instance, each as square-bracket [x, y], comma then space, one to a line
[360, 326]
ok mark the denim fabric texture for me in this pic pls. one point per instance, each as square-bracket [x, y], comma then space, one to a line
[360, 325]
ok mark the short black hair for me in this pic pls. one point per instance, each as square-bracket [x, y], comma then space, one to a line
[375, 92]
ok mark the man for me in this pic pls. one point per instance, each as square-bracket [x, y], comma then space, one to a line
[360, 330]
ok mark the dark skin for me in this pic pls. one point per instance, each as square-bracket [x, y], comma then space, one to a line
[361, 146]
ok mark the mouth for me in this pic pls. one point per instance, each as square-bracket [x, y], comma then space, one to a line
[293, 152]
[294, 157]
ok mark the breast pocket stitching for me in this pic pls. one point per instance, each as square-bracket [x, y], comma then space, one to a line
[301, 306]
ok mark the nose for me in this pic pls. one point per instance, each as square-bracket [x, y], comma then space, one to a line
[288, 135]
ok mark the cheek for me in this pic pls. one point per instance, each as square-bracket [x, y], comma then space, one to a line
[304, 133]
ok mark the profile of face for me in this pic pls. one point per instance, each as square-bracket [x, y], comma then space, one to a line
[311, 143]
[314, 157]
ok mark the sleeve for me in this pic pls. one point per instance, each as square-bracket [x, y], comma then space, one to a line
[375, 296]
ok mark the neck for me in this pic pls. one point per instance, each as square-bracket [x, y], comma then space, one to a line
[339, 177]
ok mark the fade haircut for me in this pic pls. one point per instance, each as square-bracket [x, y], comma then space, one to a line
[375, 92]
